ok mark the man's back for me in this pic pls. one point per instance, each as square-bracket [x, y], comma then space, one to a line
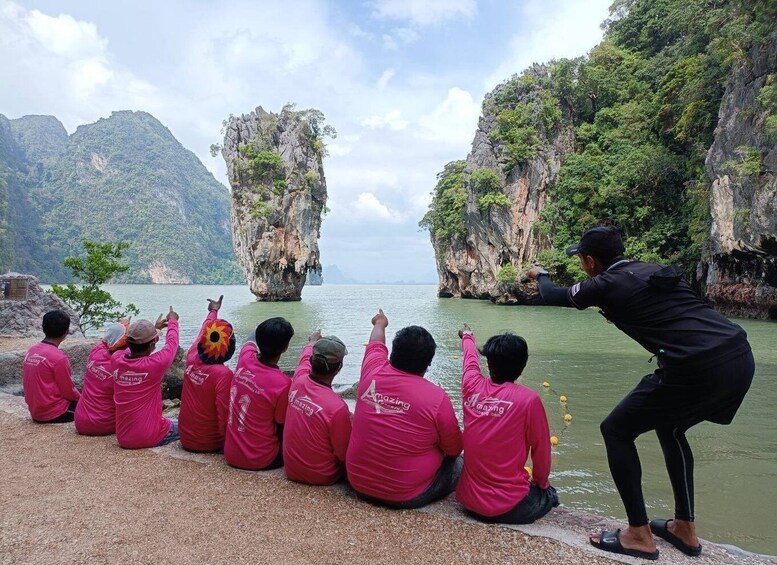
[661, 313]
[258, 401]
[403, 426]
[137, 393]
[502, 423]
[48, 386]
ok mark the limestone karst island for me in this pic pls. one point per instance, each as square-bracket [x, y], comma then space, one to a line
[454, 281]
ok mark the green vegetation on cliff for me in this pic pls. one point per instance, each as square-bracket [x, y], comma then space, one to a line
[644, 106]
[122, 178]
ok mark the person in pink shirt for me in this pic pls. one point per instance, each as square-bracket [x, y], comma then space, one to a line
[318, 423]
[405, 444]
[202, 421]
[96, 411]
[503, 422]
[49, 391]
[258, 400]
[137, 389]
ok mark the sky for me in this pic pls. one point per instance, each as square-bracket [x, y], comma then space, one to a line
[402, 82]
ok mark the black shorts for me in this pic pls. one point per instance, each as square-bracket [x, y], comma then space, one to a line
[683, 398]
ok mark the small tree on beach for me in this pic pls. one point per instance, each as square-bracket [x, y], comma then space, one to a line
[94, 305]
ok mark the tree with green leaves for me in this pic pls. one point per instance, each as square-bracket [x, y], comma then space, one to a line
[94, 305]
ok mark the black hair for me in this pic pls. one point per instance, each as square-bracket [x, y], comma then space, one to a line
[55, 324]
[321, 367]
[412, 350]
[507, 355]
[138, 348]
[273, 337]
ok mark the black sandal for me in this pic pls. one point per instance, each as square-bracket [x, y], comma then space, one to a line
[660, 529]
[610, 541]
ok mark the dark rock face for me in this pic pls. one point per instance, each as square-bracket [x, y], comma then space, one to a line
[276, 212]
[468, 265]
[22, 318]
[740, 265]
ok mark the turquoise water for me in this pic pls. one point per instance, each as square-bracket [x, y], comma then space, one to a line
[583, 358]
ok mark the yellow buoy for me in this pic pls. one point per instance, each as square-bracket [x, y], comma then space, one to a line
[567, 418]
[365, 344]
[553, 440]
[455, 356]
[562, 398]
[528, 470]
[546, 384]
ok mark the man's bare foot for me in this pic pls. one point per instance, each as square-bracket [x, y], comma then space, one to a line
[684, 530]
[639, 538]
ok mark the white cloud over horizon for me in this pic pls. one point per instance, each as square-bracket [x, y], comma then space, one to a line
[404, 98]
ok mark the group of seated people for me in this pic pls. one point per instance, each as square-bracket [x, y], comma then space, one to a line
[402, 447]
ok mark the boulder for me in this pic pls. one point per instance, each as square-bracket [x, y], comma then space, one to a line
[21, 313]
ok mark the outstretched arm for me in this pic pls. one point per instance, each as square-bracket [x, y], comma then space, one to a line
[379, 324]
[213, 314]
[551, 294]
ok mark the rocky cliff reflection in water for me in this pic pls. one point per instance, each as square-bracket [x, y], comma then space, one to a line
[580, 355]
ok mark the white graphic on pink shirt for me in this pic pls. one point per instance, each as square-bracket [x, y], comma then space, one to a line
[130, 378]
[488, 407]
[98, 371]
[246, 378]
[196, 376]
[34, 359]
[384, 403]
[304, 404]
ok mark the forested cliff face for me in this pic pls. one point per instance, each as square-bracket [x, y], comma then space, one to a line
[274, 163]
[741, 261]
[486, 208]
[121, 178]
[620, 137]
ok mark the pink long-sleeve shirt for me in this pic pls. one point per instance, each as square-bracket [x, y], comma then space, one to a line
[403, 426]
[502, 423]
[137, 393]
[317, 430]
[48, 385]
[202, 421]
[258, 400]
[96, 411]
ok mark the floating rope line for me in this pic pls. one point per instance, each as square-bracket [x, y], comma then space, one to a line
[567, 416]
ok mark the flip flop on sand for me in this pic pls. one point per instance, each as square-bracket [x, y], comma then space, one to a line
[610, 541]
[660, 529]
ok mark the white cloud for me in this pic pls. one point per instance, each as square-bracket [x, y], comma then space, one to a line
[368, 208]
[453, 121]
[424, 12]
[393, 120]
[557, 29]
[64, 35]
[385, 77]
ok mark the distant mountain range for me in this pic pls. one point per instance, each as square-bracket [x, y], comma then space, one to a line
[121, 178]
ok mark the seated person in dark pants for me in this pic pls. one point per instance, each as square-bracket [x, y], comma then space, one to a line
[405, 444]
[503, 421]
[705, 368]
[49, 391]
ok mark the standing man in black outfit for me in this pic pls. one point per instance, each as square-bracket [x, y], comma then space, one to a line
[705, 368]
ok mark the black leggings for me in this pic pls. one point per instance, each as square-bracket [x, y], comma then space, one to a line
[67, 416]
[671, 402]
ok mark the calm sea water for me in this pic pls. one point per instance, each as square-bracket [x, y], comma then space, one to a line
[583, 358]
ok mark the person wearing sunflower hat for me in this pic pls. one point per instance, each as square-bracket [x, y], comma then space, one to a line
[96, 412]
[202, 421]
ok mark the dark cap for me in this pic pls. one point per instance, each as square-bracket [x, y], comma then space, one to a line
[141, 331]
[331, 349]
[602, 242]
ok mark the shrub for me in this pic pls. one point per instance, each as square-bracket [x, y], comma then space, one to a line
[508, 274]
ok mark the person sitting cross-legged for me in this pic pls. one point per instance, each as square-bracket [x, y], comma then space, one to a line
[503, 422]
[202, 421]
[405, 445]
[258, 400]
[318, 423]
[96, 411]
[49, 391]
[137, 389]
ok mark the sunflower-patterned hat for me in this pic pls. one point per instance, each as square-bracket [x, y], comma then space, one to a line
[217, 344]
